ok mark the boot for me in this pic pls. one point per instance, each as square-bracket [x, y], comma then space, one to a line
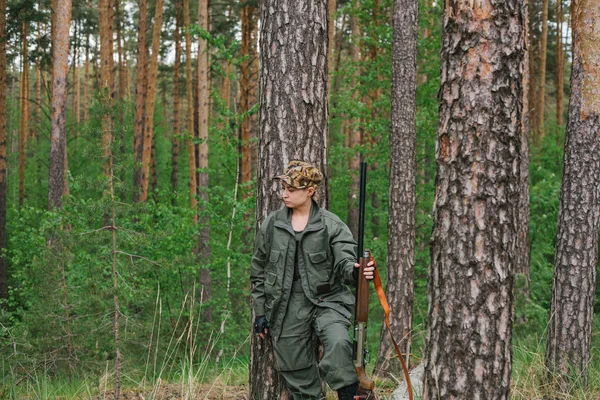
[348, 392]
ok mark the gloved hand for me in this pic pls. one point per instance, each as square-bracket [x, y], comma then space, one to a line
[261, 325]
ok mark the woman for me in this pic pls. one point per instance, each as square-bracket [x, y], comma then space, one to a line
[304, 257]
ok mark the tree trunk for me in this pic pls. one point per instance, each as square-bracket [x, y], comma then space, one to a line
[354, 133]
[150, 101]
[560, 69]
[86, 81]
[572, 307]
[176, 130]
[522, 247]
[332, 5]
[38, 87]
[468, 354]
[141, 84]
[203, 119]
[24, 132]
[293, 121]
[402, 191]
[106, 88]
[541, 80]
[190, 109]
[532, 77]
[246, 85]
[60, 71]
[75, 95]
[3, 236]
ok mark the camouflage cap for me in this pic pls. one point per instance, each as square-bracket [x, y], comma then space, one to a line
[301, 175]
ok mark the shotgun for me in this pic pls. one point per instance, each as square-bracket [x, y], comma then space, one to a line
[361, 314]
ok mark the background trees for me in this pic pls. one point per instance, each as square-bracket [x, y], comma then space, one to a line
[158, 240]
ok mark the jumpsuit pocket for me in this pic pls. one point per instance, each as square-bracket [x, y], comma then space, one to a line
[294, 353]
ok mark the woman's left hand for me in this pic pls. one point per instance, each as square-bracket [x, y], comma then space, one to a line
[369, 271]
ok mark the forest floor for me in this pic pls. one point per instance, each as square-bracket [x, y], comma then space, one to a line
[204, 391]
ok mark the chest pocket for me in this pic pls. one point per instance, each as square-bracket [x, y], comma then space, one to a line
[272, 274]
[318, 270]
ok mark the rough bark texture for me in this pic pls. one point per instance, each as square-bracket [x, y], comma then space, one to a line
[354, 133]
[141, 84]
[24, 123]
[246, 86]
[402, 192]
[293, 125]
[468, 352]
[571, 313]
[106, 79]
[151, 81]
[3, 237]
[541, 79]
[203, 114]
[176, 76]
[190, 107]
[60, 72]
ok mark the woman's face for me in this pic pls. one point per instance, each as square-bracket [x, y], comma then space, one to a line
[293, 197]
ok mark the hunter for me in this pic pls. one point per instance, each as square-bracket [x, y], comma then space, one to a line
[304, 256]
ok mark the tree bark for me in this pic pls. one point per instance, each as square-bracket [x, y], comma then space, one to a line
[572, 308]
[3, 236]
[402, 190]
[24, 132]
[532, 104]
[141, 84]
[106, 88]
[203, 120]
[86, 81]
[468, 353]
[150, 101]
[60, 71]
[176, 72]
[560, 69]
[293, 125]
[541, 80]
[190, 109]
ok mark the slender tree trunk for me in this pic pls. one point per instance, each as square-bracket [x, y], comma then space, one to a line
[354, 133]
[190, 108]
[38, 87]
[402, 191]
[203, 118]
[468, 354]
[246, 85]
[86, 81]
[176, 130]
[141, 85]
[532, 105]
[150, 101]
[332, 5]
[541, 80]
[24, 132]
[74, 95]
[293, 120]
[106, 77]
[560, 69]
[60, 71]
[572, 308]
[3, 236]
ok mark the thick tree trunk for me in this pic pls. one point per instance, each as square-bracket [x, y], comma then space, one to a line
[60, 71]
[402, 191]
[541, 79]
[293, 122]
[150, 101]
[176, 102]
[3, 236]
[576, 259]
[354, 133]
[468, 354]
[141, 84]
[24, 131]
[246, 86]
[203, 119]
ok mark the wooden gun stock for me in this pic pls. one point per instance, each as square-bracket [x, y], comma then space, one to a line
[361, 318]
